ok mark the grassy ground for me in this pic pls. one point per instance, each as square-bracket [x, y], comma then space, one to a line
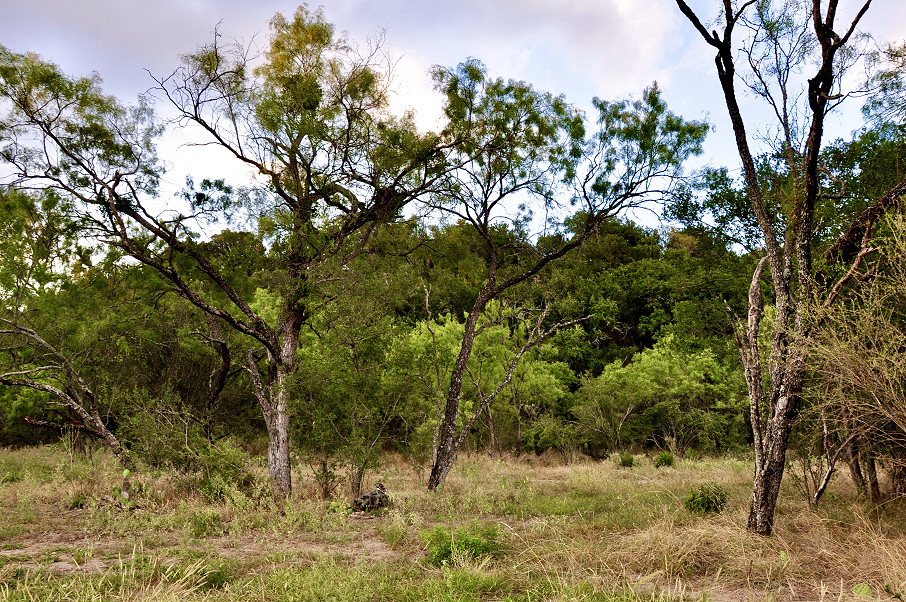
[500, 530]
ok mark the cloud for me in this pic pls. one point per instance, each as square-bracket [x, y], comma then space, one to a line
[581, 48]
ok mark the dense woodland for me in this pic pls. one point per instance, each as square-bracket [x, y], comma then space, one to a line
[477, 289]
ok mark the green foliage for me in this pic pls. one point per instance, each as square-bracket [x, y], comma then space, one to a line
[663, 458]
[424, 358]
[887, 103]
[692, 455]
[77, 500]
[375, 356]
[453, 546]
[863, 590]
[11, 476]
[676, 398]
[213, 468]
[626, 460]
[206, 522]
[708, 498]
[549, 432]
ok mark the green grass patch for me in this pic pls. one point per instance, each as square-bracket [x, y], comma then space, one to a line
[455, 546]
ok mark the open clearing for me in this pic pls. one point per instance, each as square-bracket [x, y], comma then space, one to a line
[526, 529]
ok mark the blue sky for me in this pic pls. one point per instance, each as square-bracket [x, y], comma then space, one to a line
[580, 48]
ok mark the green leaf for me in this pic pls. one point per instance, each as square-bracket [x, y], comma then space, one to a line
[863, 590]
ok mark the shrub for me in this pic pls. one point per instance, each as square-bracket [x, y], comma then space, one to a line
[664, 458]
[626, 460]
[549, 433]
[692, 455]
[77, 499]
[446, 546]
[710, 497]
[206, 523]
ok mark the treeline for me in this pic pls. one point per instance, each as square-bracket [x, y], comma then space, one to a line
[650, 364]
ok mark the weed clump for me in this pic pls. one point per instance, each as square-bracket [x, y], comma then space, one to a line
[206, 523]
[13, 476]
[446, 546]
[664, 458]
[77, 500]
[626, 460]
[692, 455]
[709, 498]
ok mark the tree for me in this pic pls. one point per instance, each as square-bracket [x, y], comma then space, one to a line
[783, 39]
[311, 121]
[38, 243]
[858, 358]
[512, 144]
[346, 406]
[667, 397]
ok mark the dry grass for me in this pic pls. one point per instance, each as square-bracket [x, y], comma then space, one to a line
[583, 531]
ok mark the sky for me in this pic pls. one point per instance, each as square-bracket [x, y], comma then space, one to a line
[580, 48]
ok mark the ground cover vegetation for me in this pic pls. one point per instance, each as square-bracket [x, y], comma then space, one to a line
[376, 300]
[532, 528]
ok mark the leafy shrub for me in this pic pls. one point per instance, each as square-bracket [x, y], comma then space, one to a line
[665, 394]
[710, 497]
[626, 460]
[77, 499]
[692, 455]
[217, 574]
[664, 458]
[446, 546]
[547, 433]
[205, 523]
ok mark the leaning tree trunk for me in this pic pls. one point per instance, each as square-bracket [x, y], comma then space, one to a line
[448, 445]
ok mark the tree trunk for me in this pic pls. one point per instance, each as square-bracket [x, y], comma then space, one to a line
[79, 446]
[356, 478]
[855, 469]
[792, 323]
[447, 448]
[768, 476]
[278, 441]
[874, 489]
[273, 402]
[495, 447]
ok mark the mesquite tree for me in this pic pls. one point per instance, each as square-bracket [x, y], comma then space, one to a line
[512, 145]
[783, 41]
[310, 120]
